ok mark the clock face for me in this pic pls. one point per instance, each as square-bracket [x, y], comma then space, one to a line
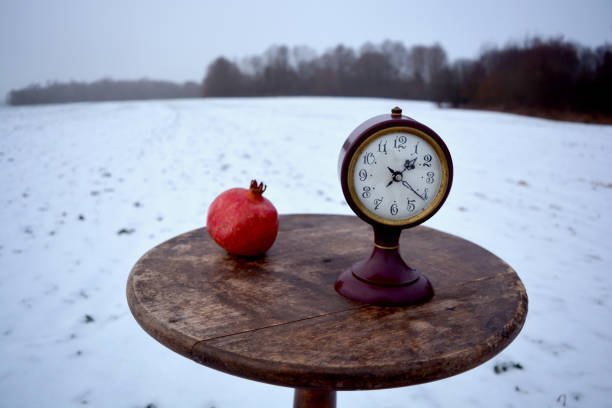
[398, 176]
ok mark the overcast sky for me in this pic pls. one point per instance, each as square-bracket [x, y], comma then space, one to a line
[86, 40]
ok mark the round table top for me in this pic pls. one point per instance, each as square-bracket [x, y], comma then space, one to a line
[278, 319]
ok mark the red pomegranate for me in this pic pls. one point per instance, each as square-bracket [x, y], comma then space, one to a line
[242, 221]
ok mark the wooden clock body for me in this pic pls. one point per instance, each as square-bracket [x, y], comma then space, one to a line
[384, 278]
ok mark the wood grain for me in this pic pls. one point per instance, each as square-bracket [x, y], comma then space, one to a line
[277, 319]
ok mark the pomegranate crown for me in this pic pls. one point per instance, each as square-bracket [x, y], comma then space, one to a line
[257, 188]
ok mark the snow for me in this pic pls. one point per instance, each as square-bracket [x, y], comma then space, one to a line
[88, 188]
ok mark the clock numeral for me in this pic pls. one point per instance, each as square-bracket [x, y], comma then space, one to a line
[430, 177]
[416, 148]
[411, 207]
[363, 175]
[366, 192]
[400, 142]
[369, 158]
[427, 158]
[393, 210]
[377, 203]
[425, 195]
[382, 147]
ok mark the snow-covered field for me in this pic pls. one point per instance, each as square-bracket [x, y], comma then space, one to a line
[86, 189]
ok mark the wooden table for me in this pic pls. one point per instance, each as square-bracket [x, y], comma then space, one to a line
[277, 319]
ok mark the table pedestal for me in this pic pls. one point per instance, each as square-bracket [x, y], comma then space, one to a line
[306, 398]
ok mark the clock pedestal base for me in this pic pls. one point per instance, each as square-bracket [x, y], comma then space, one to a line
[384, 279]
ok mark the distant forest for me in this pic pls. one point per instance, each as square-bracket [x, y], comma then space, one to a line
[103, 90]
[536, 76]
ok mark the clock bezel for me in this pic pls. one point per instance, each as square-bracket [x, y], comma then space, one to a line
[374, 128]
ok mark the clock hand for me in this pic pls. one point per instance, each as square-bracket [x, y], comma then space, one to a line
[409, 164]
[405, 183]
[395, 176]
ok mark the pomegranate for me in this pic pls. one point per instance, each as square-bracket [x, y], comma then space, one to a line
[242, 221]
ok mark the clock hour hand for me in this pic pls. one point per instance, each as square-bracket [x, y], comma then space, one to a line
[409, 164]
[405, 183]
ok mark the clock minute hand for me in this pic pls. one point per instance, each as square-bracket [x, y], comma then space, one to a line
[405, 183]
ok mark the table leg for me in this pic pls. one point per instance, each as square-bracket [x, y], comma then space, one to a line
[305, 398]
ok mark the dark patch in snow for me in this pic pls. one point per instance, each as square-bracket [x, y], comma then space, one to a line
[125, 231]
[599, 184]
[562, 399]
[505, 366]
[590, 256]
[522, 183]
[519, 389]
[81, 217]
[88, 319]
[137, 204]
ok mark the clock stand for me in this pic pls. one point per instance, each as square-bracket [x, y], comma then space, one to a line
[384, 278]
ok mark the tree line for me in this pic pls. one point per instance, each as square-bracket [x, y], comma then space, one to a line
[535, 75]
[102, 90]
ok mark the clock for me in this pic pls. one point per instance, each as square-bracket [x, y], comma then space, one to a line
[395, 173]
